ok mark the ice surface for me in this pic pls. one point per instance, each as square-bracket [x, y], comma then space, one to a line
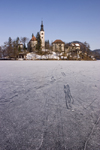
[49, 105]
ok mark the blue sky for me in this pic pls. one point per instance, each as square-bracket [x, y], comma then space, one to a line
[68, 20]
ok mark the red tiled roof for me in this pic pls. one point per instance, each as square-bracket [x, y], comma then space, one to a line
[33, 38]
[58, 41]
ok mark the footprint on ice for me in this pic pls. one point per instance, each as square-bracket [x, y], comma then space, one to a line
[68, 97]
[53, 79]
[63, 74]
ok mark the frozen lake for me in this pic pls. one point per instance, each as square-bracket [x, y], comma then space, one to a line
[49, 105]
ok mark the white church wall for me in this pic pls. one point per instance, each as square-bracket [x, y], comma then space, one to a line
[42, 36]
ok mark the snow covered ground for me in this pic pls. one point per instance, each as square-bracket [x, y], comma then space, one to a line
[33, 56]
[49, 105]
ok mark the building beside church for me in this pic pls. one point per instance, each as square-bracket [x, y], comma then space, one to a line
[58, 45]
[20, 45]
[73, 46]
[32, 44]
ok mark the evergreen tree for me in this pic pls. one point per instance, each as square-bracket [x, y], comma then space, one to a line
[38, 46]
[9, 48]
[5, 49]
[19, 49]
[47, 45]
[14, 49]
[17, 41]
[24, 46]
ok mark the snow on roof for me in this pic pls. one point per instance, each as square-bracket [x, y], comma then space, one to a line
[77, 44]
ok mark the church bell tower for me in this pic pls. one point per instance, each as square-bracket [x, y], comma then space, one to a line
[42, 36]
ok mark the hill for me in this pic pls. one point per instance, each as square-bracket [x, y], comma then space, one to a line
[96, 53]
[97, 50]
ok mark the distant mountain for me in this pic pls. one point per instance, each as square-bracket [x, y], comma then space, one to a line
[97, 51]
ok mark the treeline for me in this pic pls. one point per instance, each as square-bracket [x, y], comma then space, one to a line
[12, 48]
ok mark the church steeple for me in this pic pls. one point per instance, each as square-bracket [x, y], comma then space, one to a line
[42, 36]
[41, 26]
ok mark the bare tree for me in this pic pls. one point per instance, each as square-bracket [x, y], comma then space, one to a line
[24, 41]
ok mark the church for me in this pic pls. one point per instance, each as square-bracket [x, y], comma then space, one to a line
[32, 43]
[58, 45]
